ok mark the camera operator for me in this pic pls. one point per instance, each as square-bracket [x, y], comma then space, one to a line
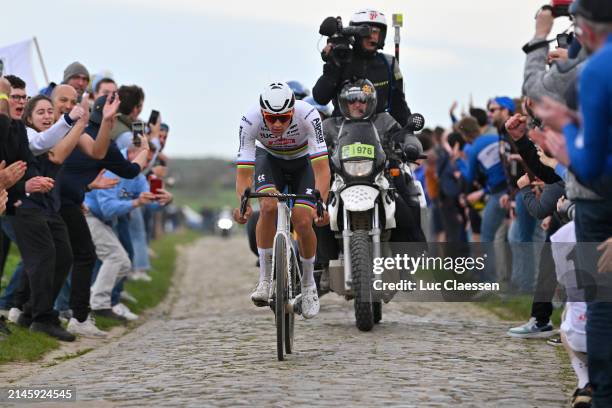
[551, 73]
[362, 61]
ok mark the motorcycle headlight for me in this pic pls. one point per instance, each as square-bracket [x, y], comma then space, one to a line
[224, 223]
[359, 168]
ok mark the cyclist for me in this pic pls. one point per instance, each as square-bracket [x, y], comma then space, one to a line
[282, 142]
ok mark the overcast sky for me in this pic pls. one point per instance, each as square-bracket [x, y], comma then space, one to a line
[203, 63]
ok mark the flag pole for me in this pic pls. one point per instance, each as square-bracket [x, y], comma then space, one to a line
[42, 63]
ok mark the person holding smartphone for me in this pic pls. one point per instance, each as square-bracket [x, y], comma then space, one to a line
[105, 206]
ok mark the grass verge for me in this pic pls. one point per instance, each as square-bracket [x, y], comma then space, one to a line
[22, 345]
[150, 294]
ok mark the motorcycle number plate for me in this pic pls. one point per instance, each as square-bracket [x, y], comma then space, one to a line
[357, 150]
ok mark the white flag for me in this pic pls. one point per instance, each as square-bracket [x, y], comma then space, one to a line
[16, 59]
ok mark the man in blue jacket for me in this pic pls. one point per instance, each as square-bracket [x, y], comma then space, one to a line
[483, 158]
[104, 208]
[590, 154]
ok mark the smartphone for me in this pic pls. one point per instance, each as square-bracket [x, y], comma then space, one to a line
[138, 129]
[154, 117]
[1, 67]
[112, 97]
[156, 184]
[564, 40]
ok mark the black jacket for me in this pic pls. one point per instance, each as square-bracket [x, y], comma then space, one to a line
[529, 153]
[380, 69]
[547, 204]
[14, 146]
[80, 170]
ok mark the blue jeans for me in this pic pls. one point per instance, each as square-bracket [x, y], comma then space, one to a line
[122, 229]
[62, 302]
[520, 237]
[7, 301]
[594, 224]
[492, 217]
[116, 293]
[139, 241]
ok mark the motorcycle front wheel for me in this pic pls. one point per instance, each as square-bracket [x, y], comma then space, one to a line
[361, 262]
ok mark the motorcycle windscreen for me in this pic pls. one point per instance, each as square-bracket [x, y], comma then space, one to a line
[354, 133]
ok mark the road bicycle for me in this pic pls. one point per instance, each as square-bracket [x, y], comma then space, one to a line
[284, 298]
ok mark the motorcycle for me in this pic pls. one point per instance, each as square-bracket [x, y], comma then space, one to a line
[368, 174]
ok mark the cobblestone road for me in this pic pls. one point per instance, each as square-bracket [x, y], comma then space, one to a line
[211, 347]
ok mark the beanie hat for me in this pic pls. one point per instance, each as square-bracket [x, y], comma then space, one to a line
[74, 69]
[506, 103]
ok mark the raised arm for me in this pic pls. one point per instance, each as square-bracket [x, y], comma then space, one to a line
[98, 148]
[62, 150]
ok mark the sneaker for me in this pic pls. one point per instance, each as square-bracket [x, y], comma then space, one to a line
[555, 342]
[86, 329]
[53, 330]
[140, 276]
[310, 301]
[13, 315]
[109, 314]
[582, 397]
[126, 296]
[531, 330]
[261, 296]
[4, 330]
[122, 310]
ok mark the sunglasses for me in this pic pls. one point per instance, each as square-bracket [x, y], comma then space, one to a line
[493, 110]
[282, 118]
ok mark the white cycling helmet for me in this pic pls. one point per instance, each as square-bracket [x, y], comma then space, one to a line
[277, 98]
[371, 17]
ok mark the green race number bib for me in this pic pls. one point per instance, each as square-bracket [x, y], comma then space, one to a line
[357, 150]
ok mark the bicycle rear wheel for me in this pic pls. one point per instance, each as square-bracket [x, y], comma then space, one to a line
[280, 270]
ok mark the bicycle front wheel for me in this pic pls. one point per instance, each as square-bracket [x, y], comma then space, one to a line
[280, 271]
[290, 317]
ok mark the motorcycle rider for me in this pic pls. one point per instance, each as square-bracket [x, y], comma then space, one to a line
[278, 138]
[358, 101]
[366, 62]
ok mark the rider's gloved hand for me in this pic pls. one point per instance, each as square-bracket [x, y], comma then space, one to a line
[321, 221]
[245, 217]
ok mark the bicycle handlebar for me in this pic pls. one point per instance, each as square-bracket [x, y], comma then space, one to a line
[315, 196]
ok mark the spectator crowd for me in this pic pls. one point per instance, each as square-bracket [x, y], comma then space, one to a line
[81, 185]
[538, 169]
[76, 190]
